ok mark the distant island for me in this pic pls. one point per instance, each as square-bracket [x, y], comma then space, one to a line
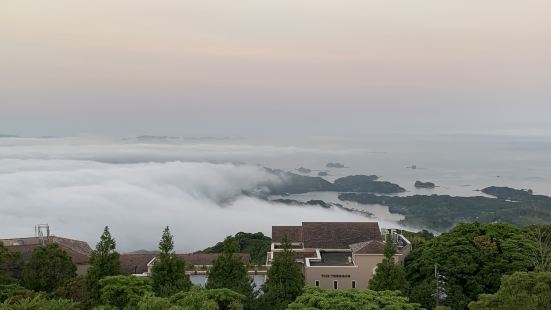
[512, 194]
[419, 184]
[335, 165]
[323, 173]
[292, 183]
[304, 170]
[8, 136]
[441, 212]
[155, 138]
[314, 202]
[152, 138]
[322, 204]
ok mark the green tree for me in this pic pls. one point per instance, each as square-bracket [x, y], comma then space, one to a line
[152, 302]
[255, 245]
[4, 278]
[521, 290]
[540, 253]
[389, 276]
[423, 293]
[229, 271]
[104, 262]
[471, 257]
[169, 271]
[124, 292]
[75, 290]
[10, 264]
[39, 303]
[104, 307]
[48, 268]
[321, 299]
[14, 292]
[285, 280]
[213, 299]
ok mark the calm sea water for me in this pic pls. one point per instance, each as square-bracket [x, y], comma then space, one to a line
[458, 164]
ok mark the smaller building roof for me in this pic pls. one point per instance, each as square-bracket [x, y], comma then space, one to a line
[137, 263]
[333, 259]
[300, 255]
[368, 247]
[79, 251]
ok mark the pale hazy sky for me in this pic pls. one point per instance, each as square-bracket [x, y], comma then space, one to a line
[283, 66]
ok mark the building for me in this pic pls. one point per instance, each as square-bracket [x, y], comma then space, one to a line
[198, 263]
[339, 255]
[79, 251]
[197, 269]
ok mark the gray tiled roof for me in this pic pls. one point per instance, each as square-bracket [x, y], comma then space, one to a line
[338, 235]
[79, 251]
[294, 233]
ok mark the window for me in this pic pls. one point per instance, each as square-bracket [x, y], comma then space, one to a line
[317, 282]
[335, 284]
[353, 284]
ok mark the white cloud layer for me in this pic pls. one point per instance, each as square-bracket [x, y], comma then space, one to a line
[133, 151]
[201, 202]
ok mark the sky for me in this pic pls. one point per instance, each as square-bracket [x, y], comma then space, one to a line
[285, 67]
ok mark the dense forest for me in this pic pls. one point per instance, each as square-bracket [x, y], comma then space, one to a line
[441, 212]
[256, 245]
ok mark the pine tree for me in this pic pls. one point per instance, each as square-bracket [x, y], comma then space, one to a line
[285, 279]
[104, 262]
[389, 276]
[169, 271]
[229, 271]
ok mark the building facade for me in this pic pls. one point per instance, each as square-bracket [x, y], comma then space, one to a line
[338, 255]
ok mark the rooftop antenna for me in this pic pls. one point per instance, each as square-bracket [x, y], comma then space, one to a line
[42, 232]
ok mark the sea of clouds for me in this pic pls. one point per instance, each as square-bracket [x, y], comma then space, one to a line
[80, 185]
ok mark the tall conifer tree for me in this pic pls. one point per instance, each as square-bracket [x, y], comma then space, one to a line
[389, 275]
[229, 271]
[169, 271]
[285, 279]
[104, 262]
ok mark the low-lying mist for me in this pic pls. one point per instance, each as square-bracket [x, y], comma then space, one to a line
[202, 202]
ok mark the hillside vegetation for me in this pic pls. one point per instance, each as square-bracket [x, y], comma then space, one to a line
[441, 212]
[292, 183]
[257, 245]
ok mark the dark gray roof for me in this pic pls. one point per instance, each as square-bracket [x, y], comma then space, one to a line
[338, 235]
[294, 233]
[79, 251]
